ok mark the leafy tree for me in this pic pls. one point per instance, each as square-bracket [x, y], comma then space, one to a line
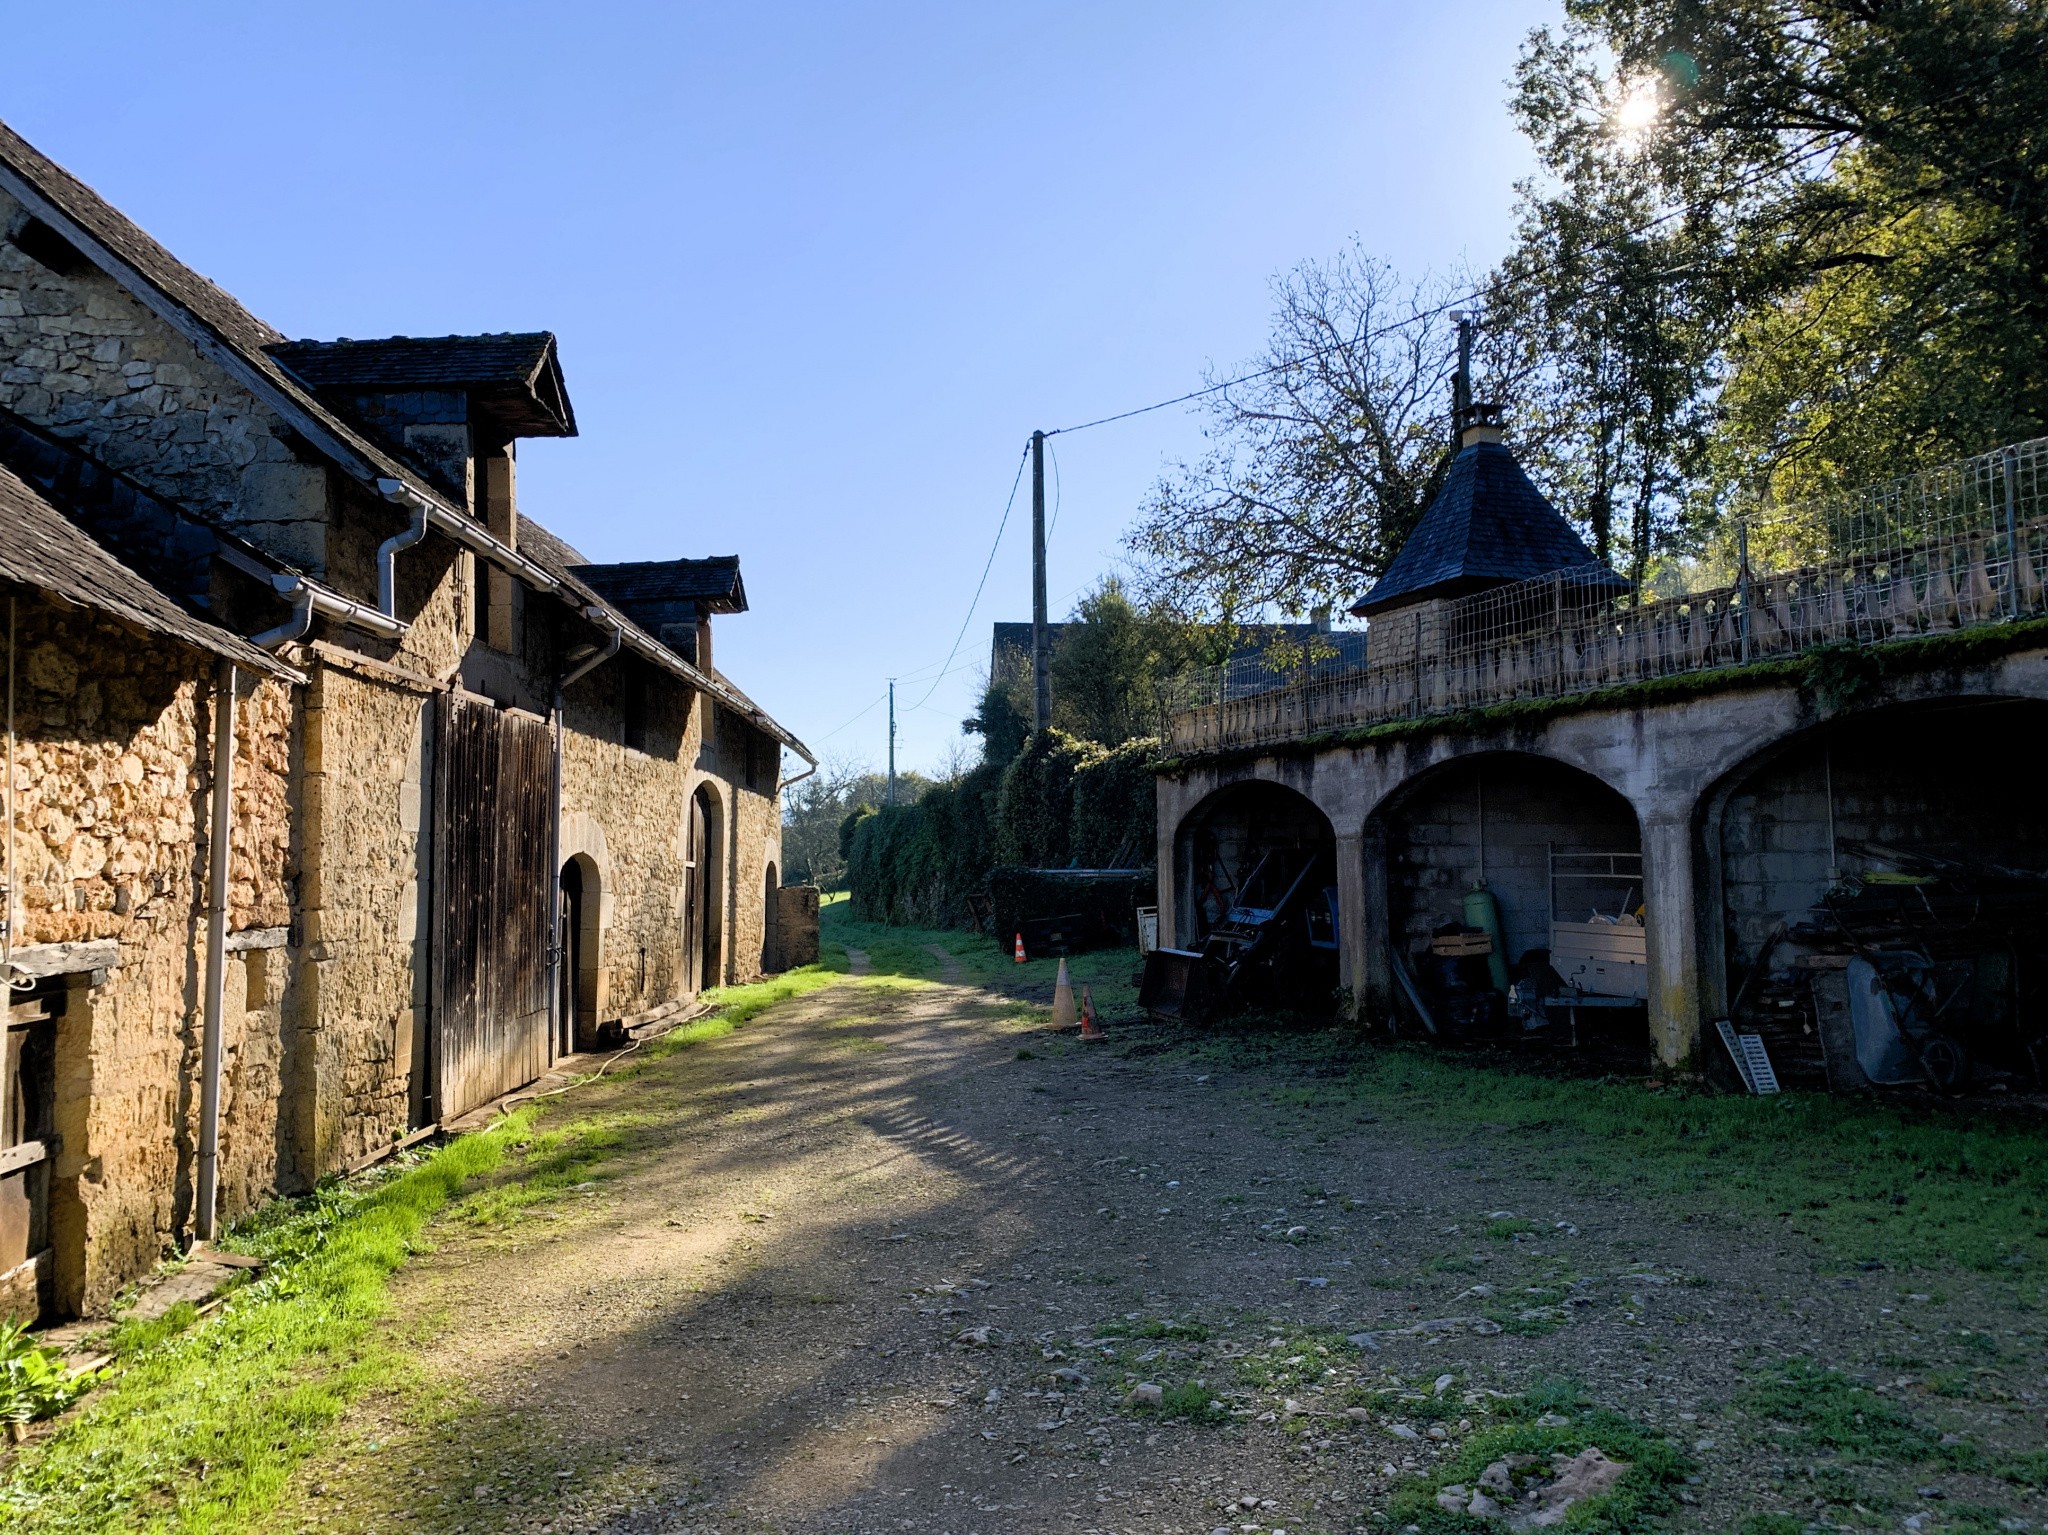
[1318, 466]
[1110, 666]
[817, 812]
[1860, 191]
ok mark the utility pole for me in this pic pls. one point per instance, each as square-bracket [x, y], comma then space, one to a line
[892, 741]
[1041, 653]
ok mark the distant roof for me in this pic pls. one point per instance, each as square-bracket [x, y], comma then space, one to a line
[40, 547]
[713, 582]
[1487, 526]
[1251, 667]
[515, 376]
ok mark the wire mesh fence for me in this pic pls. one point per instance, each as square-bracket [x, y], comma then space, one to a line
[1954, 547]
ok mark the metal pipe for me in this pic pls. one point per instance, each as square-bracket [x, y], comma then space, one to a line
[399, 494]
[590, 664]
[307, 599]
[207, 1195]
[293, 628]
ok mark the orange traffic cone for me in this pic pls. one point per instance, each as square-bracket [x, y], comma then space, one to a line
[1020, 948]
[1063, 1000]
[1091, 1026]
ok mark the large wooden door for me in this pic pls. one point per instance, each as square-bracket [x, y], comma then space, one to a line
[492, 890]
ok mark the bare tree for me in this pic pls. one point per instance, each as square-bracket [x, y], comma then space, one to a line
[1319, 466]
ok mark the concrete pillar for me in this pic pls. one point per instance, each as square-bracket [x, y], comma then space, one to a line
[1671, 907]
[1351, 923]
[1375, 930]
[1168, 803]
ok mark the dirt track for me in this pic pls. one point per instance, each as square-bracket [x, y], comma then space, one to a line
[752, 1318]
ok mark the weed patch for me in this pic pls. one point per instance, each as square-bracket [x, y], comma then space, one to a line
[1807, 1409]
[1642, 1495]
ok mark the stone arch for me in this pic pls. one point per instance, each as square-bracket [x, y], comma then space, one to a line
[1940, 788]
[1552, 845]
[771, 943]
[581, 939]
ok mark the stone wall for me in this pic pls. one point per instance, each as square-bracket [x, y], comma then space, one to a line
[81, 358]
[113, 783]
[623, 809]
[1530, 806]
[796, 926]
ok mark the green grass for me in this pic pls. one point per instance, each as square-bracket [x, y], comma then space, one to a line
[1867, 1181]
[982, 961]
[203, 1424]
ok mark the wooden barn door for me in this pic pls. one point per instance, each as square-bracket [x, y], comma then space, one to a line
[492, 885]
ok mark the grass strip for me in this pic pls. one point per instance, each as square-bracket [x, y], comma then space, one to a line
[1871, 1182]
[203, 1425]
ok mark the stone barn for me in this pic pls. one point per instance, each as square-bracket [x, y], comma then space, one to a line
[511, 808]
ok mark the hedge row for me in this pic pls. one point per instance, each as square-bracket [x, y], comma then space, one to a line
[1060, 803]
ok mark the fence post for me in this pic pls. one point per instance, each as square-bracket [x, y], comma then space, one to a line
[1742, 582]
[2012, 533]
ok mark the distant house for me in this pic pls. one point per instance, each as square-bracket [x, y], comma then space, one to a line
[491, 801]
[1265, 656]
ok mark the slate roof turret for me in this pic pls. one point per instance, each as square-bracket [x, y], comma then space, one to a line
[1488, 526]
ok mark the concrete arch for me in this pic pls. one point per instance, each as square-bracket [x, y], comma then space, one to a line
[1219, 840]
[1548, 841]
[1942, 774]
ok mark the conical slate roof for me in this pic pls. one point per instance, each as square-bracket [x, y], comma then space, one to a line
[1487, 526]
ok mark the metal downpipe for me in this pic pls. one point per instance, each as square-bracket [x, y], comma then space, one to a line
[396, 492]
[206, 1197]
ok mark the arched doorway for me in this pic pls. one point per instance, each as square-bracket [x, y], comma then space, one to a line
[1505, 882]
[1883, 897]
[771, 941]
[703, 909]
[579, 940]
[1255, 876]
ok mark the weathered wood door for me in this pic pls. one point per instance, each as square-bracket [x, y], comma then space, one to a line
[492, 890]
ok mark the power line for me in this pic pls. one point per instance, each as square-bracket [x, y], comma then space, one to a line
[979, 586]
[1278, 367]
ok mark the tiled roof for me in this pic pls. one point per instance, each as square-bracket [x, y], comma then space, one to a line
[713, 582]
[40, 547]
[1487, 526]
[516, 377]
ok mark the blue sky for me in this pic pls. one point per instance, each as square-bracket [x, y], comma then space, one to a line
[817, 270]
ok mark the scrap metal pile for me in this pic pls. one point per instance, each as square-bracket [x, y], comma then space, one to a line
[1921, 970]
[1275, 946]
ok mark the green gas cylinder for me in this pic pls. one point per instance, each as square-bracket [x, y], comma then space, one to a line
[1483, 912]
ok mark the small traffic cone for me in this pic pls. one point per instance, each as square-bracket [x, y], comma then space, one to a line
[1063, 1000]
[1091, 1026]
[1020, 948]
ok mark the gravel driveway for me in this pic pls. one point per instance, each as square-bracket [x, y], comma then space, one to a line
[891, 1258]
